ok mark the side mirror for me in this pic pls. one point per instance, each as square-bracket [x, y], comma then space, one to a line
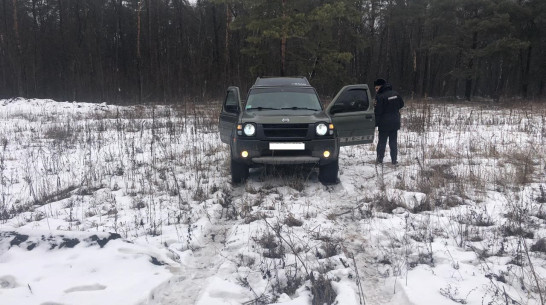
[232, 108]
[337, 109]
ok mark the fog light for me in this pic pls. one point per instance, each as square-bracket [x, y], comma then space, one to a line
[244, 154]
[326, 154]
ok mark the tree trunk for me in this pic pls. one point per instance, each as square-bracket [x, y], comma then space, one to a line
[388, 58]
[160, 73]
[139, 57]
[283, 40]
[525, 73]
[226, 47]
[470, 67]
[371, 70]
[216, 47]
[35, 49]
[426, 74]
[62, 61]
[19, 66]
[116, 75]
[150, 68]
[181, 66]
[4, 51]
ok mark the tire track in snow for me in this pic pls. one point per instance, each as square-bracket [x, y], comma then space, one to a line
[375, 288]
[192, 278]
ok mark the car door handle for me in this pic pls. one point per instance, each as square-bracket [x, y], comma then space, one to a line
[368, 117]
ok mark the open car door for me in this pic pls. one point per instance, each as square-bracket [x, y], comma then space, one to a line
[352, 113]
[231, 108]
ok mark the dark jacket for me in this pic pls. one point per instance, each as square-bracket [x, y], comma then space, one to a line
[387, 108]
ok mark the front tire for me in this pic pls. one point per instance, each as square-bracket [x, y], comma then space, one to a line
[328, 172]
[239, 172]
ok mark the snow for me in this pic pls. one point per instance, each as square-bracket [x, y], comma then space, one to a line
[105, 204]
[84, 274]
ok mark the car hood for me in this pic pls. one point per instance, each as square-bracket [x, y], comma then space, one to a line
[284, 117]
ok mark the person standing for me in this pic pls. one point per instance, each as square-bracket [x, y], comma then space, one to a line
[387, 119]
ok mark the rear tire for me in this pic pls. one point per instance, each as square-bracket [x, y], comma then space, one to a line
[328, 173]
[239, 172]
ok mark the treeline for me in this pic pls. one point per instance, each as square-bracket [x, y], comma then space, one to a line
[164, 50]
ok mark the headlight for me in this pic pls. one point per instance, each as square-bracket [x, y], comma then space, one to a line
[321, 129]
[249, 130]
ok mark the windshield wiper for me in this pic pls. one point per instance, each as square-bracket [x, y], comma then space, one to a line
[301, 108]
[262, 108]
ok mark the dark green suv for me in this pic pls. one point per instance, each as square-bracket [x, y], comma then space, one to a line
[283, 122]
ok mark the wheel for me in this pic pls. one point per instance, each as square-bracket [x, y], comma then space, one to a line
[328, 173]
[239, 171]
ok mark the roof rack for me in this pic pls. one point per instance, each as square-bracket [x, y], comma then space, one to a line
[274, 81]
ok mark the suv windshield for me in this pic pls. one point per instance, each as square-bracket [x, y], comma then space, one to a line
[283, 98]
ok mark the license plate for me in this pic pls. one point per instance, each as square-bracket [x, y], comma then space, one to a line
[287, 146]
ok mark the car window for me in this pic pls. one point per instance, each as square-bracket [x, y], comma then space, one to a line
[279, 98]
[351, 100]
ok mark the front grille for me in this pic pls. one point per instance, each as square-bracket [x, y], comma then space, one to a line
[285, 130]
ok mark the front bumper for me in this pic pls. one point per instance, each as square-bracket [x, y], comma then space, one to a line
[259, 152]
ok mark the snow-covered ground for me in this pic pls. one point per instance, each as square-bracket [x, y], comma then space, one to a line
[103, 204]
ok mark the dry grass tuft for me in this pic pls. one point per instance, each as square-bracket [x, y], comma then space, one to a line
[539, 246]
[322, 290]
[291, 221]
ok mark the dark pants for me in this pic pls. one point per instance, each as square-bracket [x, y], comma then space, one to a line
[392, 135]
